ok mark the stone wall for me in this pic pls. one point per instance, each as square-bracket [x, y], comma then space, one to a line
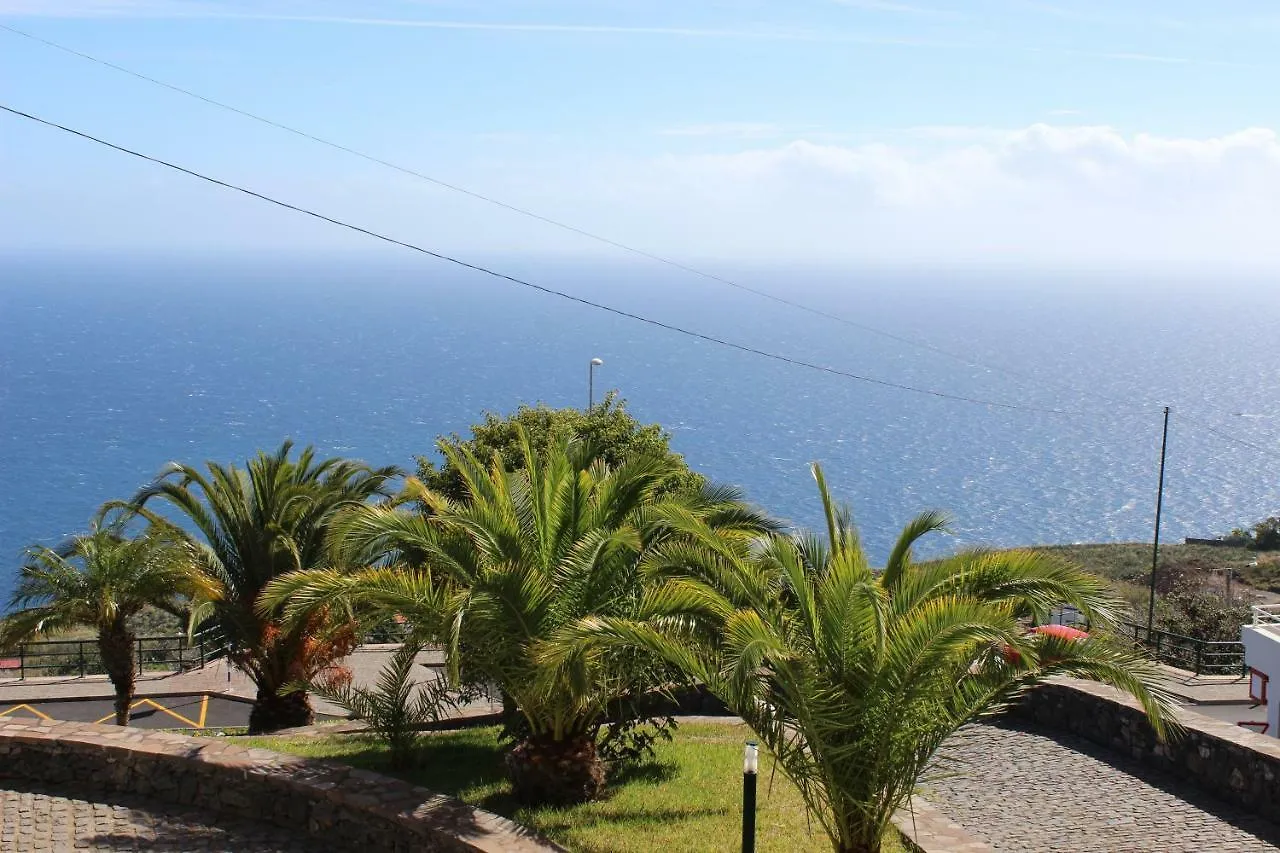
[355, 809]
[1229, 762]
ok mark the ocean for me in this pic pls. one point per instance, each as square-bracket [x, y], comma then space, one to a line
[113, 365]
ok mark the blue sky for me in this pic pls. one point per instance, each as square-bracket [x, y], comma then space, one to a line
[1128, 133]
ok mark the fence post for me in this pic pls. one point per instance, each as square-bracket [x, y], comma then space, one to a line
[80, 647]
[139, 656]
[182, 643]
[201, 651]
[22, 661]
[1199, 657]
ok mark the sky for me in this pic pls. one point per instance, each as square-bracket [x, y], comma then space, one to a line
[1126, 134]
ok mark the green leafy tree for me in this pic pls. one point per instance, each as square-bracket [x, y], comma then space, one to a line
[1266, 534]
[607, 427]
[101, 580]
[1189, 606]
[855, 678]
[250, 525]
[397, 707]
[526, 554]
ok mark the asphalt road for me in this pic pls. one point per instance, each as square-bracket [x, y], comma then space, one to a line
[153, 712]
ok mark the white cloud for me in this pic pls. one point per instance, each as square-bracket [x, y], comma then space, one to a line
[1080, 195]
[1044, 195]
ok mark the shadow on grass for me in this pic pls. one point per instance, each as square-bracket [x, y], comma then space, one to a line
[448, 767]
[556, 823]
[651, 773]
[454, 767]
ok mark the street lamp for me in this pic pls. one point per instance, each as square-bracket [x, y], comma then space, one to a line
[750, 763]
[591, 382]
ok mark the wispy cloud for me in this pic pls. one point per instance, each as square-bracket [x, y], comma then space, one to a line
[267, 12]
[758, 34]
[734, 130]
[896, 8]
[101, 8]
[263, 12]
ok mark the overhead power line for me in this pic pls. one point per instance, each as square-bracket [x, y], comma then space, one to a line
[1018, 376]
[1269, 451]
[538, 287]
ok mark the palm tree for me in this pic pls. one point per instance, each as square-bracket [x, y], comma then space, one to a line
[396, 707]
[526, 554]
[100, 580]
[855, 678]
[249, 526]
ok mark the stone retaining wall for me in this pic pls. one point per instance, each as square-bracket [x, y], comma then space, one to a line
[1229, 762]
[355, 809]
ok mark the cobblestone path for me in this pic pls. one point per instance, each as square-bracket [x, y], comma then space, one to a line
[1023, 789]
[34, 819]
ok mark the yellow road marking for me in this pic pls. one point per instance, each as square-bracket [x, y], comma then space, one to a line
[39, 714]
[204, 710]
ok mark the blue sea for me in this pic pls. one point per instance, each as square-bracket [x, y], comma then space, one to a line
[113, 365]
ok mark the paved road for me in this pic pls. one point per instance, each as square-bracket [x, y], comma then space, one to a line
[196, 698]
[159, 712]
[34, 819]
[1027, 790]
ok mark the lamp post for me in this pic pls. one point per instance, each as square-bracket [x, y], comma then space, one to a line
[750, 762]
[591, 382]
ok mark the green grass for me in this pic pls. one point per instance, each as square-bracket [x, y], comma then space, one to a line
[686, 801]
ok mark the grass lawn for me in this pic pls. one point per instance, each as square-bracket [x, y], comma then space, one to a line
[687, 801]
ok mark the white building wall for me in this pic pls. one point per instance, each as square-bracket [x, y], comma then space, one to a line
[1262, 652]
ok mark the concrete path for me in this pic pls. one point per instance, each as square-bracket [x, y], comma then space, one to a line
[37, 820]
[1024, 789]
[1205, 689]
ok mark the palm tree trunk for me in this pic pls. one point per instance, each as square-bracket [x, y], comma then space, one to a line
[273, 710]
[860, 839]
[555, 772]
[116, 645]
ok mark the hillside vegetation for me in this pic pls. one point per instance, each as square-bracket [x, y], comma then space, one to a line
[1131, 561]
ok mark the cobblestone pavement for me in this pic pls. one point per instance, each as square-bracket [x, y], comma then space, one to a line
[1024, 789]
[34, 819]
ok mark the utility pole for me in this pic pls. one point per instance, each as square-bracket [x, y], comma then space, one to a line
[1155, 543]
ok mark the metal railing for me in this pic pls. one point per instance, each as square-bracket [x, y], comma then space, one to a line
[1266, 614]
[81, 657]
[1203, 657]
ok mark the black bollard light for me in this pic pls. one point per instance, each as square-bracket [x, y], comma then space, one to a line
[750, 762]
